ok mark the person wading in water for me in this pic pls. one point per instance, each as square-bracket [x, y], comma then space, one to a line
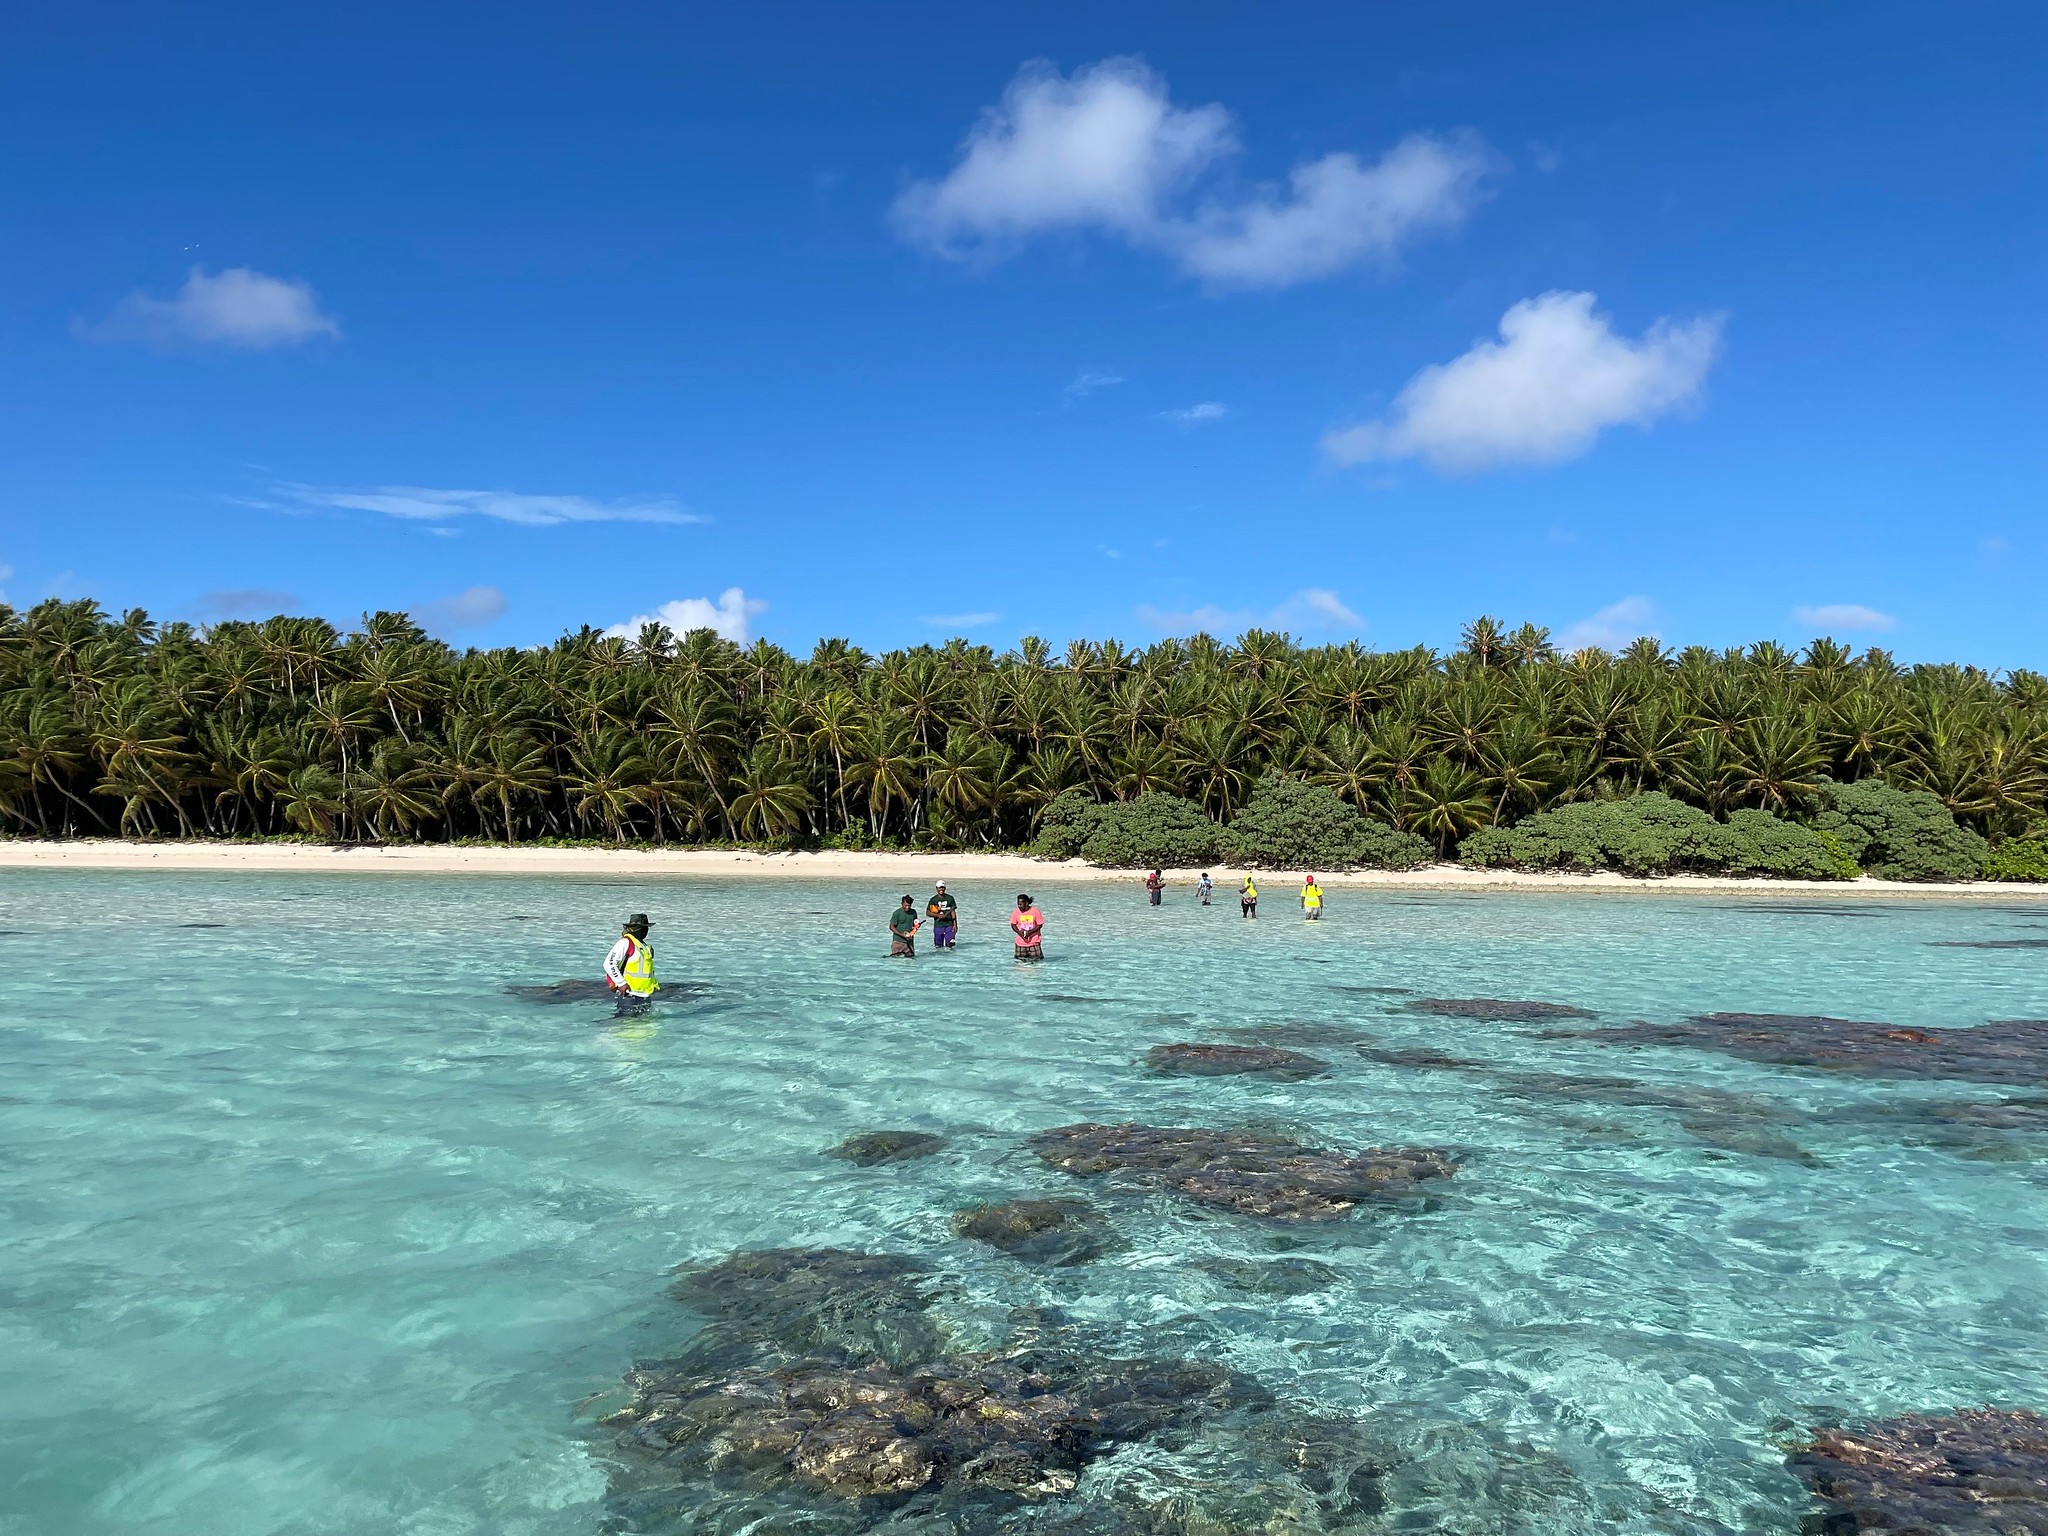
[1248, 898]
[903, 925]
[1028, 924]
[1312, 900]
[629, 968]
[945, 915]
[1154, 884]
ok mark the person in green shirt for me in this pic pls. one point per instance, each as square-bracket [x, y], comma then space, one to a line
[903, 925]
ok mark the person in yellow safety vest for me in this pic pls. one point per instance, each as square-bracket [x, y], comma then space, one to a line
[629, 968]
[1312, 900]
[1248, 898]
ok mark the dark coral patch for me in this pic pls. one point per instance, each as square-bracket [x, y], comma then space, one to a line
[872, 1148]
[1232, 1060]
[2002, 1051]
[1051, 1232]
[837, 1303]
[1978, 1471]
[582, 989]
[1022, 1424]
[1244, 1171]
[1275, 1279]
[1494, 1009]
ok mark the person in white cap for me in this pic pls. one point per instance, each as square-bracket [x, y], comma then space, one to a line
[944, 912]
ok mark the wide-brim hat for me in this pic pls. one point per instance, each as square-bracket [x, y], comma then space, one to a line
[638, 920]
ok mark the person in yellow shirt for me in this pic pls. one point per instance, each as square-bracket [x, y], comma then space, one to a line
[1248, 898]
[1312, 900]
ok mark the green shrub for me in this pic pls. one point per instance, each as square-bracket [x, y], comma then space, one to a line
[1153, 830]
[2017, 858]
[1899, 834]
[1064, 825]
[1652, 834]
[1291, 824]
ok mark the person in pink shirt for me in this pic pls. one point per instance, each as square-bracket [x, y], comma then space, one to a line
[1028, 924]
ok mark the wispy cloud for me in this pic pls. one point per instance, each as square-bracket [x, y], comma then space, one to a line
[1612, 627]
[1196, 415]
[958, 621]
[1558, 377]
[729, 616]
[239, 307]
[421, 504]
[244, 603]
[1311, 610]
[1086, 384]
[1106, 149]
[1843, 616]
[471, 608]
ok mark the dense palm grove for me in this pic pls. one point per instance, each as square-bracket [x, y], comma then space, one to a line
[121, 725]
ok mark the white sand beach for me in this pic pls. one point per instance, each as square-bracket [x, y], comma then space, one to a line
[912, 869]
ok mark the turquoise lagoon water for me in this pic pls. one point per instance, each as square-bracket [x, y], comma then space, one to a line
[311, 1227]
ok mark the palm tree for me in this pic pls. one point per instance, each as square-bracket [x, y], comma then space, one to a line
[1780, 763]
[768, 795]
[884, 765]
[396, 791]
[1444, 803]
[513, 766]
[607, 779]
[311, 798]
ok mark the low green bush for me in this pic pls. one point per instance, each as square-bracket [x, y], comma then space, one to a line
[2017, 858]
[1899, 834]
[1063, 825]
[1291, 824]
[1652, 834]
[1154, 830]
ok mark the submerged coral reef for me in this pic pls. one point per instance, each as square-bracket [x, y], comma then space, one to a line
[1980, 1472]
[1244, 1171]
[1190, 1060]
[2002, 1051]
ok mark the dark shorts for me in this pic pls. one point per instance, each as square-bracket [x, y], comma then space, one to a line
[1031, 951]
[942, 932]
[902, 947]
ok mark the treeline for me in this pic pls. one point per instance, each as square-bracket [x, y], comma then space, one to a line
[121, 725]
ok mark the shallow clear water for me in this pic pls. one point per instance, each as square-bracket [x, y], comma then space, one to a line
[311, 1227]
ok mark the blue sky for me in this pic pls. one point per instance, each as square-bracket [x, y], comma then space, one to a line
[1721, 322]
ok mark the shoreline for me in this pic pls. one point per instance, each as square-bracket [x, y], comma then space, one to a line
[746, 864]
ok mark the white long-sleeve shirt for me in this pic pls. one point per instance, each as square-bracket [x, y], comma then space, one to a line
[615, 962]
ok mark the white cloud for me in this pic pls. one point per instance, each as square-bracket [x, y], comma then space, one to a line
[1310, 609]
[1336, 213]
[6, 572]
[728, 616]
[1317, 608]
[1104, 148]
[1558, 377]
[1843, 616]
[962, 620]
[1086, 384]
[471, 608]
[1207, 620]
[420, 504]
[1195, 415]
[236, 308]
[245, 603]
[1612, 627]
[1107, 149]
